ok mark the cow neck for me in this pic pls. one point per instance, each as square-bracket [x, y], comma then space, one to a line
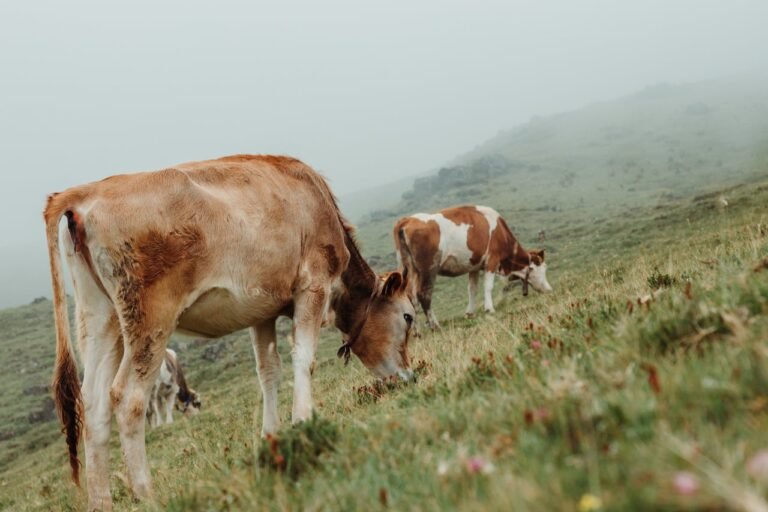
[359, 286]
[518, 256]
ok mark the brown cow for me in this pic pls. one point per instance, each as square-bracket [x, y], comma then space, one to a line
[206, 248]
[464, 240]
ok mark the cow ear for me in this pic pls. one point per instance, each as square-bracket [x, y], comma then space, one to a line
[393, 284]
[538, 256]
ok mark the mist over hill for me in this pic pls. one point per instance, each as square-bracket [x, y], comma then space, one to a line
[663, 142]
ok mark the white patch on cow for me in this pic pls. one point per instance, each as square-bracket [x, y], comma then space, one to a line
[491, 215]
[453, 253]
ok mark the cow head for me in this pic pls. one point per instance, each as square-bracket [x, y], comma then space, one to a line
[381, 341]
[534, 272]
[193, 404]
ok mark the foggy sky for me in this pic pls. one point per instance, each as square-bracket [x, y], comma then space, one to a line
[366, 92]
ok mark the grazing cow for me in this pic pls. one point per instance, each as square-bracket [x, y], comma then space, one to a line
[464, 240]
[206, 248]
[170, 385]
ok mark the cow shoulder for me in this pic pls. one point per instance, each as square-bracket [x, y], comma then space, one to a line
[502, 244]
[477, 229]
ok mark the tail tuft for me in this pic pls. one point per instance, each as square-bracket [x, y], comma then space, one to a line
[66, 389]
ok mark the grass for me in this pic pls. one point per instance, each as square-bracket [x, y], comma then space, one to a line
[607, 388]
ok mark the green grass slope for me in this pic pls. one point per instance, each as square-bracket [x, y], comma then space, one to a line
[650, 359]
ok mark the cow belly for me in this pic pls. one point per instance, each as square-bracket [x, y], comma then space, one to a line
[453, 266]
[219, 312]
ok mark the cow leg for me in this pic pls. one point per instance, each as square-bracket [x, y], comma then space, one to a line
[146, 337]
[102, 353]
[425, 298]
[489, 292]
[472, 289]
[155, 404]
[309, 307]
[98, 336]
[268, 366]
[152, 409]
[169, 408]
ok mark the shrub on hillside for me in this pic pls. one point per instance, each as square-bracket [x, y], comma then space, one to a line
[298, 449]
[659, 280]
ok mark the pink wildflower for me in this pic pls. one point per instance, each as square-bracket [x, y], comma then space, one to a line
[757, 465]
[685, 483]
[478, 465]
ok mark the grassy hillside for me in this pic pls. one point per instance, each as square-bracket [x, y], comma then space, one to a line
[641, 383]
[648, 361]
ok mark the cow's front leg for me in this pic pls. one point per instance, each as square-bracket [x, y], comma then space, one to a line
[488, 298]
[308, 315]
[268, 367]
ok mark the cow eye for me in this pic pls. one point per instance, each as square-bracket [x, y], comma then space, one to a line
[408, 319]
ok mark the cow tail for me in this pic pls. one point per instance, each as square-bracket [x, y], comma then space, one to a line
[403, 253]
[66, 383]
[405, 258]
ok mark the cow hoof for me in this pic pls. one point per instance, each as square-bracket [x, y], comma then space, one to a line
[490, 311]
[469, 315]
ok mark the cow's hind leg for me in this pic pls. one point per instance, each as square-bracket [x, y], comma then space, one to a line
[268, 367]
[472, 291]
[309, 307]
[146, 336]
[100, 345]
[426, 283]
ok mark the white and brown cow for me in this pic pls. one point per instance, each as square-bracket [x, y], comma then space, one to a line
[206, 248]
[464, 240]
[170, 385]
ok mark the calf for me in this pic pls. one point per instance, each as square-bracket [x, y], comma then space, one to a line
[464, 240]
[169, 386]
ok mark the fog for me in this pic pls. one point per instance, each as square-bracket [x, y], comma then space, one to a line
[366, 92]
